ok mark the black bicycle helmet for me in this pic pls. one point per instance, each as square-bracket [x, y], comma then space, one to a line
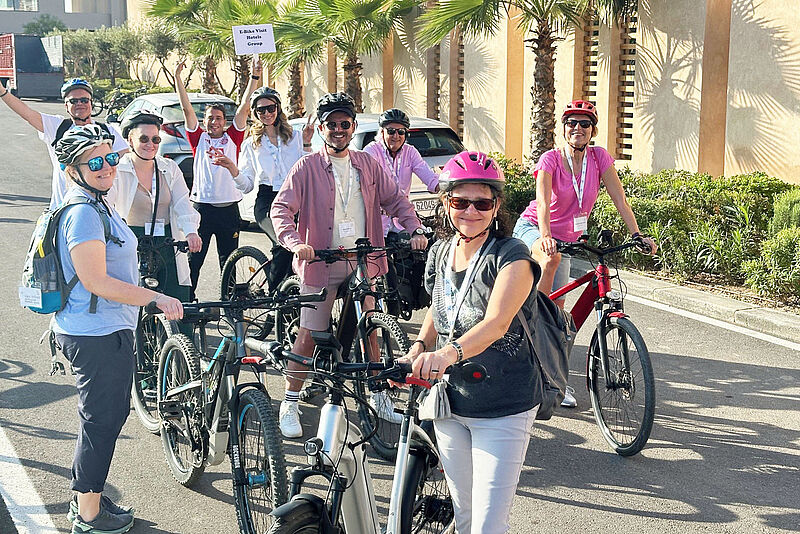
[264, 92]
[394, 115]
[76, 83]
[140, 117]
[80, 139]
[335, 102]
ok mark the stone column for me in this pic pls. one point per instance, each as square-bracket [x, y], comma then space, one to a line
[388, 72]
[515, 86]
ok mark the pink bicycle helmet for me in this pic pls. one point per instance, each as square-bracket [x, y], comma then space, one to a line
[471, 168]
[580, 107]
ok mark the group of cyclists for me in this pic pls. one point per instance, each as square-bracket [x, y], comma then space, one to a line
[480, 273]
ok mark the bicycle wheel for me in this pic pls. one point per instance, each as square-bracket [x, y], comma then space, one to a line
[151, 333]
[289, 317]
[246, 265]
[392, 341]
[180, 365]
[263, 461]
[302, 520]
[624, 408]
[426, 507]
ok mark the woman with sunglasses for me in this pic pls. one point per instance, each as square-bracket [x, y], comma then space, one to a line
[265, 159]
[479, 278]
[398, 158]
[95, 327]
[151, 195]
[567, 183]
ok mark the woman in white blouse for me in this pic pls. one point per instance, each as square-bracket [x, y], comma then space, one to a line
[144, 180]
[267, 155]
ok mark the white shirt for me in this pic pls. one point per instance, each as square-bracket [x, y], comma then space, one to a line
[214, 184]
[269, 164]
[61, 183]
[348, 203]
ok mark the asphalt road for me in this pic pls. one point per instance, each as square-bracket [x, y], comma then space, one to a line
[724, 455]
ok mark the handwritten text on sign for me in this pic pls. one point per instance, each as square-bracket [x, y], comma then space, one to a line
[253, 39]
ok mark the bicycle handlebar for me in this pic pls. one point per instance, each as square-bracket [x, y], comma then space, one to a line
[362, 248]
[582, 244]
[209, 311]
[146, 244]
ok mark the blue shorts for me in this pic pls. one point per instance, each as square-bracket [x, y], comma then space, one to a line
[528, 233]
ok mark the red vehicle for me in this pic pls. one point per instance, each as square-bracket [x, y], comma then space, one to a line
[31, 66]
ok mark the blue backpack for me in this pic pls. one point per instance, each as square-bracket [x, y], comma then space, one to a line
[43, 288]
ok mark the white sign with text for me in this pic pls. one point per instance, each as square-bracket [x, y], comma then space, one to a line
[253, 39]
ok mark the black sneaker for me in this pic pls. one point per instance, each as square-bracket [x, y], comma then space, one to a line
[104, 523]
[104, 501]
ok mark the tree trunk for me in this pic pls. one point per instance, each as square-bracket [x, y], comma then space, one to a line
[242, 68]
[352, 80]
[296, 96]
[167, 74]
[210, 75]
[543, 92]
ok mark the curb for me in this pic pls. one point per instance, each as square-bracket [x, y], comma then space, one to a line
[781, 324]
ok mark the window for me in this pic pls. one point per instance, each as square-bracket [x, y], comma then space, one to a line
[19, 5]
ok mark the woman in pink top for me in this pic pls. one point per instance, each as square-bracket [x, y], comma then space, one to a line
[567, 183]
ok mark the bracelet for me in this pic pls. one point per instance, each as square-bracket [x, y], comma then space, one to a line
[424, 346]
[306, 145]
[4, 94]
[459, 349]
[635, 235]
[255, 77]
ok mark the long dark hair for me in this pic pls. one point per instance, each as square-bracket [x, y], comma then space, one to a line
[282, 126]
[501, 227]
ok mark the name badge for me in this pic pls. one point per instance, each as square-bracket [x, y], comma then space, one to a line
[159, 229]
[30, 297]
[580, 223]
[347, 229]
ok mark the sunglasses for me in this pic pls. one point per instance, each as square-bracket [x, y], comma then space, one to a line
[95, 164]
[583, 124]
[269, 108]
[144, 139]
[399, 131]
[344, 125]
[481, 204]
[82, 100]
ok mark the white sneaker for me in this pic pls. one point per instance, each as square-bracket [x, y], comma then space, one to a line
[290, 420]
[569, 398]
[385, 407]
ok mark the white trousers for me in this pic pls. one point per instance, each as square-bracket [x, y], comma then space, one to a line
[482, 461]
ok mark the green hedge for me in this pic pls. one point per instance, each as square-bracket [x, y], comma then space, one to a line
[777, 272]
[786, 211]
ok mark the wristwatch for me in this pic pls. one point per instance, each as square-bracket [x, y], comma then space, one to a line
[418, 231]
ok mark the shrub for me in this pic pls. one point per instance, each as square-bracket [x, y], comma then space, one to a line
[520, 185]
[777, 272]
[786, 211]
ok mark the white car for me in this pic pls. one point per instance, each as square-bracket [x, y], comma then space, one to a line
[435, 140]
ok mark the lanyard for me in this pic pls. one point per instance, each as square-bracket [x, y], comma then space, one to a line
[578, 192]
[338, 180]
[393, 163]
[452, 307]
[153, 193]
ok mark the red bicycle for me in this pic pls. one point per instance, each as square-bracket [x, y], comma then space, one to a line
[619, 375]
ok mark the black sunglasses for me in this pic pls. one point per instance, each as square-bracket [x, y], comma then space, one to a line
[144, 139]
[583, 124]
[269, 108]
[344, 125]
[399, 131]
[95, 164]
[481, 204]
[81, 100]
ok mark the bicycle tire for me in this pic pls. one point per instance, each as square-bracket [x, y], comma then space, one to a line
[246, 265]
[152, 331]
[391, 338]
[179, 364]
[426, 506]
[289, 317]
[624, 414]
[263, 461]
[304, 519]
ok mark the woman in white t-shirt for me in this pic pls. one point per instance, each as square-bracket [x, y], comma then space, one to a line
[265, 159]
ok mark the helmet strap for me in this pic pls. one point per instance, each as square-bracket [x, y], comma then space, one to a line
[140, 157]
[81, 181]
[578, 148]
[336, 150]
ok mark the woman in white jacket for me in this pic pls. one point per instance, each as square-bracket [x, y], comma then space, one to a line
[145, 180]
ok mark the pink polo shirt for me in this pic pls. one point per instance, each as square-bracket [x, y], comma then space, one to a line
[309, 192]
[563, 200]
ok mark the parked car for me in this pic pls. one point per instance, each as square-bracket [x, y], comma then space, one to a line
[174, 144]
[435, 140]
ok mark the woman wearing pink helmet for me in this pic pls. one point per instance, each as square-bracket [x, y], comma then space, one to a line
[567, 183]
[479, 278]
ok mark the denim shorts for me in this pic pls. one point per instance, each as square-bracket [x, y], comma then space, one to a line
[528, 233]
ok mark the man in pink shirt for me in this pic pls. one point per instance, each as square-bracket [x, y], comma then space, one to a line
[337, 195]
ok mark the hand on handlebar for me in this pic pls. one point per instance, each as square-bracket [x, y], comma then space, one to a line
[170, 307]
[195, 243]
[549, 245]
[432, 365]
[304, 252]
[645, 244]
[419, 242]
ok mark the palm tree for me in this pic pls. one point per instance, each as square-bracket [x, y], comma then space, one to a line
[542, 18]
[354, 27]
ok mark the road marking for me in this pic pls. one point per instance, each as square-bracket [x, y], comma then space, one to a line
[24, 504]
[716, 322]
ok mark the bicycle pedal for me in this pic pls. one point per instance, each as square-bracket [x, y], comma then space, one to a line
[311, 392]
[170, 409]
